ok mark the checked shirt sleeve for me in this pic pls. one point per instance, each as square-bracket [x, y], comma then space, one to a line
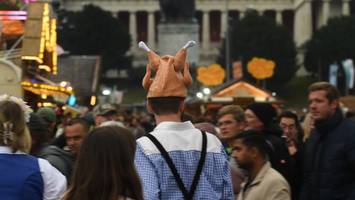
[227, 180]
[147, 175]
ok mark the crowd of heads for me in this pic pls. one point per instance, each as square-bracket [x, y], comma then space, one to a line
[228, 122]
[103, 142]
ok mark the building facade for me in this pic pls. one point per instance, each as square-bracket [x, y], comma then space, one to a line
[300, 17]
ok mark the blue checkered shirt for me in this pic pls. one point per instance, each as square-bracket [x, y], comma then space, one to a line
[183, 143]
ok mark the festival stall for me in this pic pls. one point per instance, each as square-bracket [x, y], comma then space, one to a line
[215, 93]
[29, 54]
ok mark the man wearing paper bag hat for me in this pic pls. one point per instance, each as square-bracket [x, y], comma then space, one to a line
[176, 160]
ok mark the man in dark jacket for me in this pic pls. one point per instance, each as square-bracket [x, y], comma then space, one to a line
[60, 159]
[329, 170]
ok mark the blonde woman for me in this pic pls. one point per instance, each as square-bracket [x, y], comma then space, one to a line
[307, 125]
[23, 177]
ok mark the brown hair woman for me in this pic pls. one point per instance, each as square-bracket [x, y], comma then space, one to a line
[104, 168]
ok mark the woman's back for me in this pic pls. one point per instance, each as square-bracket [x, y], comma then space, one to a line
[23, 177]
[20, 177]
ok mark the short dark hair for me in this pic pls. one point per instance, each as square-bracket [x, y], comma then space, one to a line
[254, 138]
[235, 110]
[289, 114]
[165, 105]
[80, 121]
[332, 93]
[292, 115]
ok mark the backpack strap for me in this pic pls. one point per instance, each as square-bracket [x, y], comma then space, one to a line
[188, 195]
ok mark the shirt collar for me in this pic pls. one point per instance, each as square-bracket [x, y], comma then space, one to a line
[175, 126]
[8, 150]
[259, 177]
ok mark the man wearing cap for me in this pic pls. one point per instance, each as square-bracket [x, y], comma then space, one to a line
[57, 157]
[176, 160]
[50, 117]
[103, 113]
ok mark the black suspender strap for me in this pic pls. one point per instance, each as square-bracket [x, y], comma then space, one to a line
[201, 162]
[188, 195]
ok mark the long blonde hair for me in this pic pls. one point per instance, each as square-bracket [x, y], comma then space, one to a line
[13, 129]
[307, 125]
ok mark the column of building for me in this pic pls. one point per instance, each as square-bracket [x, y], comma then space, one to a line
[346, 7]
[206, 30]
[303, 23]
[261, 12]
[151, 29]
[224, 21]
[279, 19]
[241, 14]
[133, 29]
[325, 11]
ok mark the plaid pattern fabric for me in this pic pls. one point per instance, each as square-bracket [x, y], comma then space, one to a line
[159, 183]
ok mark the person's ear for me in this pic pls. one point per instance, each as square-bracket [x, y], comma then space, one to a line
[334, 104]
[182, 107]
[149, 108]
[242, 125]
[254, 152]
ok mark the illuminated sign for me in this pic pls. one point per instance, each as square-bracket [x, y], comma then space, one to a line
[28, 1]
[40, 38]
[71, 100]
[13, 15]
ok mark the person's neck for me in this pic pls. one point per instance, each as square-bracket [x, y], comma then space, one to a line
[168, 117]
[229, 141]
[253, 172]
[328, 124]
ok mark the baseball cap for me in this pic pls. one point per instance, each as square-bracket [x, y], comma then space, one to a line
[104, 109]
[47, 114]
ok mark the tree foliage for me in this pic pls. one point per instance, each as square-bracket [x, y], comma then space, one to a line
[11, 5]
[257, 36]
[94, 31]
[331, 43]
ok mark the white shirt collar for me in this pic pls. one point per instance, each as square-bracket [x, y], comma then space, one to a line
[178, 126]
[8, 150]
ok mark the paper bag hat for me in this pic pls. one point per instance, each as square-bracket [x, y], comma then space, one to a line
[172, 75]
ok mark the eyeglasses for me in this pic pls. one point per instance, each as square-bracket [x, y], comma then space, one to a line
[227, 122]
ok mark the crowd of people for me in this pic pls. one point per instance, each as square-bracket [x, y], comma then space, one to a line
[254, 152]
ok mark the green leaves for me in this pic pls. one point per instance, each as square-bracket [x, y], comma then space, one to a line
[94, 31]
[258, 36]
[332, 43]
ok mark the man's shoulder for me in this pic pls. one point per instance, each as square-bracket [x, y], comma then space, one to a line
[346, 129]
[348, 124]
[274, 178]
[54, 151]
[180, 141]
